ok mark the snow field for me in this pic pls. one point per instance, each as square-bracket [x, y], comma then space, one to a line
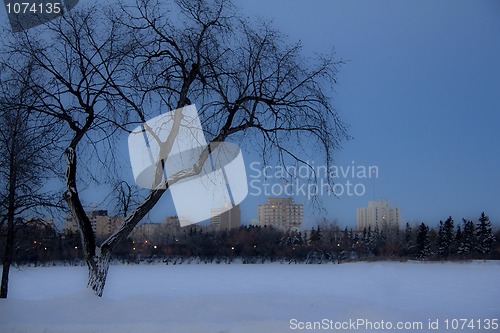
[248, 298]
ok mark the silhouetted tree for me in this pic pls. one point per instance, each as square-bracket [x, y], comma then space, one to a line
[408, 240]
[484, 234]
[445, 238]
[423, 242]
[25, 141]
[467, 242]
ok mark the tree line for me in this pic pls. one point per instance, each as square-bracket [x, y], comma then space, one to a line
[40, 243]
[467, 240]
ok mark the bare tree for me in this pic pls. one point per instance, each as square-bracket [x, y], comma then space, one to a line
[25, 138]
[108, 71]
[126, 197]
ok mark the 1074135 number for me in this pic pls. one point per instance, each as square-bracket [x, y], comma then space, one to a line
[33, 8]
[471, 324]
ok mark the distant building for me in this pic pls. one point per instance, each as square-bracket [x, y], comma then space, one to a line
[378, 213]
[157, 233]
[281, 213]
[226, 218]
[102, 224]
[98, 212]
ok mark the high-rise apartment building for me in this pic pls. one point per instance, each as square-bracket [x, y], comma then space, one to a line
[226, 218]
[103, 224]
[378, 213]
[281, 213]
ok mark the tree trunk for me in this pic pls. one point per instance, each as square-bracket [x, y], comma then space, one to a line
[5, 279]
[5, 270]
[11, 214]
[98, 271]
[9, 247]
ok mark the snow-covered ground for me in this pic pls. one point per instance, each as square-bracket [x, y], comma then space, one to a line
[253, 298]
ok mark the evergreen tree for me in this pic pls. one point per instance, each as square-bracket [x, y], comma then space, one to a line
[408, 240]
[372, 240]
[365, 239]
[375, 240]
[345, 240]
[467, 242]
[445, 238]
[382, 240]
[319, 234]
[315, 236]
[458, 240]
[423, 242]
[376, 231]
[355, 239]
[484, 234]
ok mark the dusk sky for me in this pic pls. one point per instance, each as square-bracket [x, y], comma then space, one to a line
[420, 93]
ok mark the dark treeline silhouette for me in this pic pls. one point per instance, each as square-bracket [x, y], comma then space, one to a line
[40, 243]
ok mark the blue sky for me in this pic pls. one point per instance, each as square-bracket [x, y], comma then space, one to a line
[420, 93]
